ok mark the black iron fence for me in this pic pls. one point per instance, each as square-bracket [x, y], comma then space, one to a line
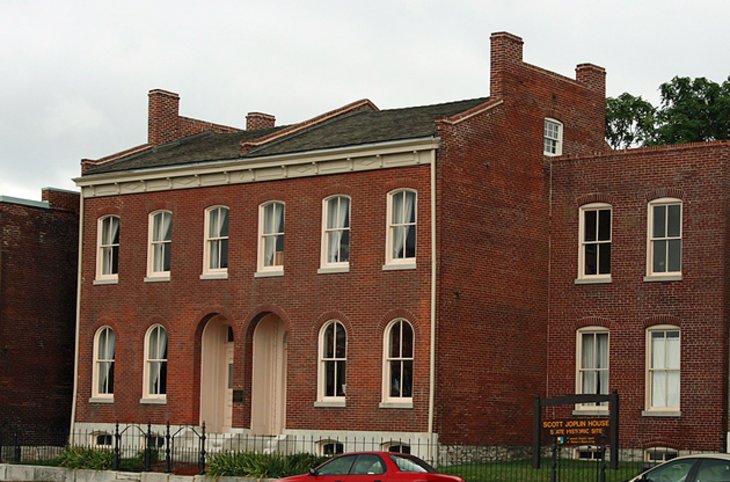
[189, 450]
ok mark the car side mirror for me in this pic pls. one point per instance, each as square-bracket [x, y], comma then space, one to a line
[312, 471]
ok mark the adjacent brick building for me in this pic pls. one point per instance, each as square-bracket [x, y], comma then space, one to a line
[38, 266]
[387, 274]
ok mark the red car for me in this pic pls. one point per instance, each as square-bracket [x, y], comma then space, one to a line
[374, 467]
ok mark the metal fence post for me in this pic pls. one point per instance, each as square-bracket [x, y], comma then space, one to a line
[148, 449]
[201, 459]
[536, 427]
[603, 458]
[117, 442]
[554, 472]
[17, 447]
[168, 461]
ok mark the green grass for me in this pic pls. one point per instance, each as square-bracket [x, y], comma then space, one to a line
[522, 471]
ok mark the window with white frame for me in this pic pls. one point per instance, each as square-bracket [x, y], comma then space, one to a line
[332, 362]
[216, 240]
[397, 447]
[660, 454]
[336, 232]
[663, 360]
[160, 240]
[101, 439]
[592, 364]
[329, 448]
[103, 370]
[595, 241]
[398, 358]
[401, 237]
[107, 266]
[155, 367]
[553, 138]
[665, 237]
[271, 237]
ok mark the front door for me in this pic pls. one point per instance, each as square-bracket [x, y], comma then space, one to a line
[216, 404]
[268, 391]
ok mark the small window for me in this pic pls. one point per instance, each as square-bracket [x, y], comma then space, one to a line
[398, 370]
[336, 232]
[155, 441]
[103, 371]
[595, 242]
[587, 453]
[664, 256]
[401, 236]
[592, 364]
[155, 363]
[216, 240]
[333, 360]
[658, 455]
[271, 237]
[160, 240]
[108, 253]
[663, 368]
[329, 448]
[397, 447]
[553, 138]
[102, 440]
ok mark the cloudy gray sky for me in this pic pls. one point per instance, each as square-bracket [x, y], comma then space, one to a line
[75, 74]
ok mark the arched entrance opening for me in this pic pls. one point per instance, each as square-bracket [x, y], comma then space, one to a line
[216, 375]
[268, 381]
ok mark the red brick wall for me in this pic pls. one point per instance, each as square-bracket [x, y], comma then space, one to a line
[493, 246]
[365, 299]
[38, 257]
[628, 305]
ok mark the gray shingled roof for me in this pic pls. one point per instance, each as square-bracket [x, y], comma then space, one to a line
[358, 128]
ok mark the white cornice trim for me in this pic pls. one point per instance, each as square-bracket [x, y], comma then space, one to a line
[411, 152]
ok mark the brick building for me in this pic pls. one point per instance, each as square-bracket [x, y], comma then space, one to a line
[384, 274]
[38, 266]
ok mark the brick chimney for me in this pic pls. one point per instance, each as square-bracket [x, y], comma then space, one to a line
[163, 121]
[258, 120]
[505, 56]
[593, 77]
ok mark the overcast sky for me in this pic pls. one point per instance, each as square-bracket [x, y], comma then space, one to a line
[75, 74]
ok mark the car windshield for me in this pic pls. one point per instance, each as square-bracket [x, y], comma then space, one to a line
[407, 463]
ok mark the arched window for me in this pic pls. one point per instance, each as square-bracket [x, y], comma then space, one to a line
[336, 232]
[332, 362]
[160, 241]
[155, 367]
[271, 237]
[107, 261]
[398, 358]
[216, 241]
[401, 236]
[103, 370]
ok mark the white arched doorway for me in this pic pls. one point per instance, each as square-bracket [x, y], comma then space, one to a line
[268, 381]
[216, 375]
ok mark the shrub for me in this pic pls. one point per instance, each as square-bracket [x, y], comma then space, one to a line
[260, 466]
[76, 457]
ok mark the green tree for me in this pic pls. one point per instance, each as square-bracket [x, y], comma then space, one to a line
[691, 110]
[629, 121]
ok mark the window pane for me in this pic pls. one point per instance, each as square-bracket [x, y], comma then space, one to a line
[672, 350]
[213, 223]
[659, 219]
[407, 351]
[340, 338]
[411, 241]
[345, 208]
[591, 262]
[395, 379]
[658, 389]
[224, 222]
[604, 225]
[329, 341]
[660, 256]
[398, 200]
[345, 246]
[340, 375]
[589, 382]
[407, 378]
[588, 351]
[675, 254]
[673, 389]
[674, 221]
[395, 340]
[657, 350]
[589, 230]
[224, 253]
[269, 219]
[329, 379]
[604, 258]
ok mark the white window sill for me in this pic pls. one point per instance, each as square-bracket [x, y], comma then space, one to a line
[214, 276]
[153, 401]
[334, 269]
[101, 400]
[397, 267]
[268, 274]
[592, 281]
[157, 279]
[404, 404]
[106, 281]
[661, 413]
[330, 404]
[659, 278]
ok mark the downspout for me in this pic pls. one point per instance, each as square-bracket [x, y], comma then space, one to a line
[432, 348]
[78, 316]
